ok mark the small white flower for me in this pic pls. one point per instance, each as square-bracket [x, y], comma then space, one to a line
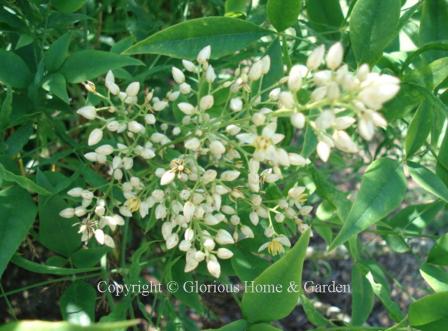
[188, 210]
[172, 241]
[210, 74]
[256, 71]
[217, 148]
[233, 129]
[178, 75]
[247, 231]
[113, 126]
[160, 105]
[91, 156]
[150, 119]
[104, 150]
[266, 64]
[185, 88]
[344, 142]
[323, 150]
[75, 192]
[99, 236]
[95, 137]
[88, 112]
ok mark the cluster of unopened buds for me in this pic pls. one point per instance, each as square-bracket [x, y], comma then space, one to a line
[199, 161]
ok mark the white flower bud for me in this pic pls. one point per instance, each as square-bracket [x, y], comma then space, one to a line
[286, 100]
[88, 112]
[172, 241]
[343, 122]
[204, 55]
[217, 148]
[224, 253]
[167, 177]
[186, 108]
[91, 156]
[214, 268]
[233, 129]
[295, 79]
[184, 245]
[298, 120]
[113, 126]
[188, 210]
[80, 211]
[258, 119]
[297, 160]
[316, 57]
[247, 231]
[160, 105]
[224, 238]
[325, 120]
[104, 150]
[210, 74]
[335, 56]
[344, 142]
[75, 192]
[173, 95]
[135, 127]
[193, 144]
[189, 66]
[266, 64]
[150, 119]
[366, 127]
[99, 236]
[254, 219]
[206, 102]
[256, 71]
[323, 150]
[128, 163]
[230, 175]
[236, 104]
[178, 75]
[67, 213]
[184, 88]
[132, 89]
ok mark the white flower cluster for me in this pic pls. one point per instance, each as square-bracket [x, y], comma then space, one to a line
[205, 154]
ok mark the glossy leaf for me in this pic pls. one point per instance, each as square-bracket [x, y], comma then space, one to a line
[434, 25]
[325, 16]
[429, 312]
[58, 52]
[14, 222]
[439, 252]
[57, 85]
[435, 276]
[266, 307]
[428, 181]
[225, 35]
[419, 129]
[263, 327]
[13, 70]
[240, 325]
[283, 13]
[373, 25]
[362, 296]
[77, 303]
[22, 181]
[382, 189]
[88, 64]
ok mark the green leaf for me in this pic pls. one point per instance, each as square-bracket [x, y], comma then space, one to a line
[13, 70]
[419, 129]
[14, 222]
[283, 13]
[5, 112]
[65, 326]
[325, 16]
[434, 24]
[428, 312]
[435, 276]
[313, 315]
[362, 296]
[77, 303]
[266, 307]
[88, 64]
[88, 257]
[439, 252]
[382, 189]
[382, 290]
[22, 181]
[236, 7]
[263, 327]
[246, 265]
[51, 225]
[57, 53]
[428, 181]
[68, 6]
[225, 35]
[240, 325]
[373, 25]
[56, 85]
